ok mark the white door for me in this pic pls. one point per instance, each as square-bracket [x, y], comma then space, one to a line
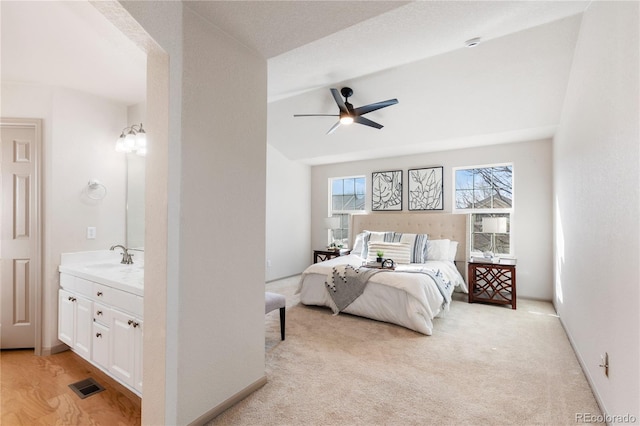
[19, 233]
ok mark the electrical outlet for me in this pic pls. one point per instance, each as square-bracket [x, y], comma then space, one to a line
[91, 233]
[268, 263]
[604, 363]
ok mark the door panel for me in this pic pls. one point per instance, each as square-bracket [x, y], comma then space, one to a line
[19, 239]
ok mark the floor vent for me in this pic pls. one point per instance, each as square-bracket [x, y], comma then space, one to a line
[85, 388]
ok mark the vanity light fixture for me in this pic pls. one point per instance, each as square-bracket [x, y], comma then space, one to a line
[133, 139]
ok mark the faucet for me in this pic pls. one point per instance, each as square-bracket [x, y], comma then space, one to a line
[126, 257]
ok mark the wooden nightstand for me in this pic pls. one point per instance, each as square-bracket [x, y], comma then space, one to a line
[492, 283]
[322, 255]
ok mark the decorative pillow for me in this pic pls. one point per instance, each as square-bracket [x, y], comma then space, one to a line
[398, 252]
[438, 249]
[374, 236]
[417, 243]
[453, 249]
[358, 244]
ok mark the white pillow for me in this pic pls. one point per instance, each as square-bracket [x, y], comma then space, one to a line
[438, 249]
[398, 252]
[453, 249]
[358, 244]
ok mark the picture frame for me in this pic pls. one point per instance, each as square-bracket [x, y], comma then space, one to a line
[386, 191]
[426, 188]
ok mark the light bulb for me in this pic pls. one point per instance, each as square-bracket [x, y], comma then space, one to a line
[130, 142]
[346, 119]
[141, 140]
[120, 144]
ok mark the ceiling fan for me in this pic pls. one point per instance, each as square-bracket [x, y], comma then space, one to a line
[348, 114]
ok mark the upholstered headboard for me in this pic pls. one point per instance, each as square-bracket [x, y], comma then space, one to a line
[436, 225]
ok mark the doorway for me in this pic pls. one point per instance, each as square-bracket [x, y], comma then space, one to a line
[20, 233]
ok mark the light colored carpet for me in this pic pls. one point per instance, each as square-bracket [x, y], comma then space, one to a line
[484, 365]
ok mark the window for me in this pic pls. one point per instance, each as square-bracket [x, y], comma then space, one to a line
[486, 192]
[347, 196]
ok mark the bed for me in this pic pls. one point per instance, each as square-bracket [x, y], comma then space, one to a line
[412, 295]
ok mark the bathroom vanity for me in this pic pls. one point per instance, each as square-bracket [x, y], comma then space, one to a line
[100, 312]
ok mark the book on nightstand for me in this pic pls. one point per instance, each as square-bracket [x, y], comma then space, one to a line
[494, 260]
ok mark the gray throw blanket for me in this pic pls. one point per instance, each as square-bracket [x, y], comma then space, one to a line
[346, 284]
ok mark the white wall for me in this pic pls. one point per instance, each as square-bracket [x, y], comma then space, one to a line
[78, 145]
[288, 216]
[531, 226]
[213, 221]
[596, 193]
[136, 114]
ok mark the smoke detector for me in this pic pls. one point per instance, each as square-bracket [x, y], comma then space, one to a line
[472, 42]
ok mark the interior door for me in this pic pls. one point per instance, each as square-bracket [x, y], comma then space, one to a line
[19, 233]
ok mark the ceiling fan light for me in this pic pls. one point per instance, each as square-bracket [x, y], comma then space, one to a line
[346, 120]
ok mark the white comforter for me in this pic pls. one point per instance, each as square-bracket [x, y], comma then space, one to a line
[407, 299]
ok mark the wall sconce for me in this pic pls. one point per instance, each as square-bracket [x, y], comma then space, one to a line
[133, 139]
[493, 226]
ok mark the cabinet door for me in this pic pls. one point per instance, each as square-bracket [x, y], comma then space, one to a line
[121, 354]
[100, 349]
[138, 357]
[66, 308]
[83, 324]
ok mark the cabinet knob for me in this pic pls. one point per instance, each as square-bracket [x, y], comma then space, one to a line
[99, 293]
[99, 335]
[99, 313]
[133, 323]
[71, 298]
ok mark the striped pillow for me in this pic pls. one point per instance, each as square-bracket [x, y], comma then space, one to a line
[417, 243]
[374, 236]
[398, 252]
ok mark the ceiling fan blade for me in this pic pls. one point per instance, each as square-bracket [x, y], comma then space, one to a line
[372, 107]
[339, 101]
[316, 115]
[334, 127]
[367, 122]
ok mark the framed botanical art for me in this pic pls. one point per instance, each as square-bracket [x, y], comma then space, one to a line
[425, 189]
[386, 191]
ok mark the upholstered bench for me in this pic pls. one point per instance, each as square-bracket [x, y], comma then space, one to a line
[274, 301]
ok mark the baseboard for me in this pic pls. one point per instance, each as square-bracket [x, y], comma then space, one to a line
[282, 278]
[216, 411]
[594, 391]
[54, 349]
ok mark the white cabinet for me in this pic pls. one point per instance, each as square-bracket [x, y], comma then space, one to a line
[104, 326]
[74, 322]
[101, 335]
[101, 345]
[66, 317]
[126, 348]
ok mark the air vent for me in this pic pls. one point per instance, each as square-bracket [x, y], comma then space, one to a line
[86, 388]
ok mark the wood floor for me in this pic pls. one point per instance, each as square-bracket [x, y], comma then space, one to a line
[35, 391]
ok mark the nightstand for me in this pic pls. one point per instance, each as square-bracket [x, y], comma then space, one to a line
[322, 255]
[492, 283]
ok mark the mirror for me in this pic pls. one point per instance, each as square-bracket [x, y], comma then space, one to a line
[135, 201]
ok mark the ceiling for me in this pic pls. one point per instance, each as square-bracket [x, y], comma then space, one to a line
[382, 49]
